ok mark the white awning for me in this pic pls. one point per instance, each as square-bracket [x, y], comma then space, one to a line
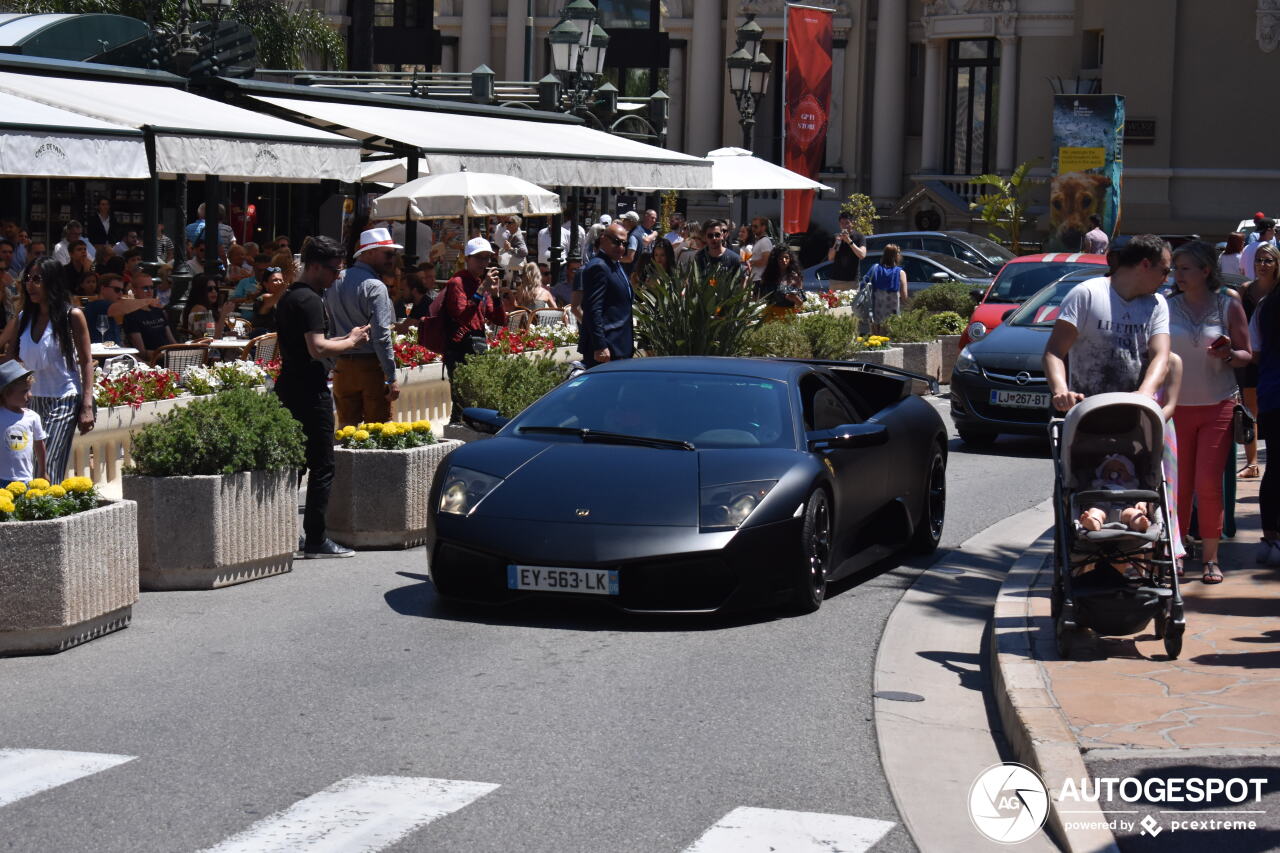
[390, 171]
[200, 136]
[545, 153]
[735, 170]
[40, 141]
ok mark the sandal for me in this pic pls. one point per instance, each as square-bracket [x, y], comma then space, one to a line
[1249, 472]
[1212, 572]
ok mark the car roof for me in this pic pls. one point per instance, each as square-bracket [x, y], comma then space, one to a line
[956, 234]
[1059, 257]
[758, 368]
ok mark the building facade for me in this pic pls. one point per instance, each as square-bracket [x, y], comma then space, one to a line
[929, 93]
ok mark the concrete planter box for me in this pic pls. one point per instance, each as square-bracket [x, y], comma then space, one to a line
[212, 531]
[379, 497]
[950, 345]
[891, 357]
[923, 358]
[68, 580]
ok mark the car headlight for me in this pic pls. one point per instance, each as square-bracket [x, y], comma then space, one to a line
[728, 507]
[966, 363]
[464, 489]
[977, 330]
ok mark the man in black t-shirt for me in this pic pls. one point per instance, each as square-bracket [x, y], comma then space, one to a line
[303, 385]
[848, 249]
[147, 328]
[715, 257]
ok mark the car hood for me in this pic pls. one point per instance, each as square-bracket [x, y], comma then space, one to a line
[1012, 348]
[557, 481]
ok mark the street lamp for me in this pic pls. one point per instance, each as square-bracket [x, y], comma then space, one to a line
[749, 72]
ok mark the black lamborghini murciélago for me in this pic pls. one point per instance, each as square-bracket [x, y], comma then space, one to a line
[691, 484]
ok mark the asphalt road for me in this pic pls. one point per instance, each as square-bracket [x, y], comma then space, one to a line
[600, 731]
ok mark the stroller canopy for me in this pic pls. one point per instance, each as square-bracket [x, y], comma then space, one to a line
[1129, 424]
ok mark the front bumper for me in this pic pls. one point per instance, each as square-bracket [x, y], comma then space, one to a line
[756, 566]
[971, 406]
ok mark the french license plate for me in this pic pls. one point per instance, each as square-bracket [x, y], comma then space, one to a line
[552, 579]
[1020, 399]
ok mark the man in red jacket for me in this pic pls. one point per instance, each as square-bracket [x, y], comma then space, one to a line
[471, 298]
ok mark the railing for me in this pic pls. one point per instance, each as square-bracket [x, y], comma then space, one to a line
[104, 452]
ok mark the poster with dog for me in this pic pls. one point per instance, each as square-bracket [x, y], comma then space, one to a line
[1088, 163]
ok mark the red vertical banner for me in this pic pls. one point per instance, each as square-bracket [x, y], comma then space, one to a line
[808, 102]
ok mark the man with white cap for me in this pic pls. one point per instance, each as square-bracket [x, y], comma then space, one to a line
[471, 298]
[364, 380]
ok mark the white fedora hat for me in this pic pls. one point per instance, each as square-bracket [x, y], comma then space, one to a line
[375, 238]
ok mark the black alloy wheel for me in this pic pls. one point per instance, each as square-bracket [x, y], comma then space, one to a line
[933, 509]
[811, 579]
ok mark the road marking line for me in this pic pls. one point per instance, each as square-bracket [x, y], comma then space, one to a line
[24, 772]
[359, 814]
[748, 830]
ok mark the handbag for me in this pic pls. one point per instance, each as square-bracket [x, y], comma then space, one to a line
[1243, 424]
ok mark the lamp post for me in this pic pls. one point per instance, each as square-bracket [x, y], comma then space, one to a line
[749, 71]
[578, 47]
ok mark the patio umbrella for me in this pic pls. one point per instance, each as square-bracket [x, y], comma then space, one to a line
[737, 170]
[389, 171]
[465, 194]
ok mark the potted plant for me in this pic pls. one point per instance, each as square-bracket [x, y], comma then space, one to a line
[492, 380]
[948, 326]
[382, 476]
[216, 486]
[921, 352]
[876, 349]
[70, 570]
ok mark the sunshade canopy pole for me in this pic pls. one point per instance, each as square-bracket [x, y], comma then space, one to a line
[410, 227]
[151, 206]
[212, 189]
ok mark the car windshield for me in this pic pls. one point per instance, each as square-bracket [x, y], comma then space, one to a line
[709, 410]
[1019, 282]
[993, 252]
[960, 268]
[1042, 308]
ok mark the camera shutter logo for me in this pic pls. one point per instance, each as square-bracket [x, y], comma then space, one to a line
[1008, 803]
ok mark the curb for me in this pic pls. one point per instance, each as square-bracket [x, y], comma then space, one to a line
[1037, 731]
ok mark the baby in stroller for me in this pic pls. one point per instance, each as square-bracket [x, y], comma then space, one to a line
[1116, 473]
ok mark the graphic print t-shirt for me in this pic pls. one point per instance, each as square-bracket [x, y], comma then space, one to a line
[21, 431]
[1110, 352]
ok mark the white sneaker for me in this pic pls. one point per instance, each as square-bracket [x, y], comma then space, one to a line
[1267, 553]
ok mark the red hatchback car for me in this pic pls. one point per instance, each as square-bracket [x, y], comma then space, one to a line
[1019, 280]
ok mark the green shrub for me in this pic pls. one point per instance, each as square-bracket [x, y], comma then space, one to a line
[509, 384]
[952, 296]
[910, 327]
[830, 336]
[690, 313]
[947, 323]
[238, 430]
[782, 339]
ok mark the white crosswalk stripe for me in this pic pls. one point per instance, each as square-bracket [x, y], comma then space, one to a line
[359, 814]
[752, 830]
[24, 772]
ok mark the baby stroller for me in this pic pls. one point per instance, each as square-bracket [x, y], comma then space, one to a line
[1114, 580]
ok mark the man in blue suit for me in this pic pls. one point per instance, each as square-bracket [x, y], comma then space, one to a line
[606, 329]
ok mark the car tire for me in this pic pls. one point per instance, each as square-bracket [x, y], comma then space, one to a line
[977, 437]
[933, 506]
[815, 550]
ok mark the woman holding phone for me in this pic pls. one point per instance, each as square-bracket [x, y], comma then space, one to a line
[1209, 332]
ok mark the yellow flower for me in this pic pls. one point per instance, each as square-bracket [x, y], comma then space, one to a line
[361, 435]
[337, 435]
[77, 484]
[39, 483]
[348, 431]
[6, 506]
[421, 426]
[56, 492]
[32, 494]
[16, 488]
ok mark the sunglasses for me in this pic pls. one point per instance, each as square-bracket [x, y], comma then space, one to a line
[116, 289]
[617, 241]
[271, 270]
[1264, 260]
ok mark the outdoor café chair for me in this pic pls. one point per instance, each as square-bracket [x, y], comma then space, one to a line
[549, 316]
[181, 356]
[517, 320]
[261, 348]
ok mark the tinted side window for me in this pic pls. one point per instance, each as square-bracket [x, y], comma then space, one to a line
[823, 408]
[946, 247]
[917, 270]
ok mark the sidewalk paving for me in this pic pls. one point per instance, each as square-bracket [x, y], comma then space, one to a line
[1217, 704]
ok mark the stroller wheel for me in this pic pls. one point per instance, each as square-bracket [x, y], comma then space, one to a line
[1063, 636]
[1055, 597]
[1162, 622]
[1173, 642]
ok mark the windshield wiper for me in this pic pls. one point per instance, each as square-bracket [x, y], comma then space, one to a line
[611, 437]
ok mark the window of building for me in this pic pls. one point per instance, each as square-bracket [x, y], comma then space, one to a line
[973, 67]
[384, 13]
[625, 14]
[1092, 53]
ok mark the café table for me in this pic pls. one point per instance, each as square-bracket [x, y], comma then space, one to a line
[228, 348]
[106, 351]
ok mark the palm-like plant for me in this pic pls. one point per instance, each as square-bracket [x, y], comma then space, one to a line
[284, 34]
[1005, 207]
[691, 312]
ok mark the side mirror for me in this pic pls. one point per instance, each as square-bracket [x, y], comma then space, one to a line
[941, 276]
[977, 294]
[487, 421]
[850, 436]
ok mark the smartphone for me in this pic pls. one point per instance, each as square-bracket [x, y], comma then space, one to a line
[1220, 342]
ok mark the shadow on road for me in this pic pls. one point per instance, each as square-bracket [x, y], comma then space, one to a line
[1008, 446]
